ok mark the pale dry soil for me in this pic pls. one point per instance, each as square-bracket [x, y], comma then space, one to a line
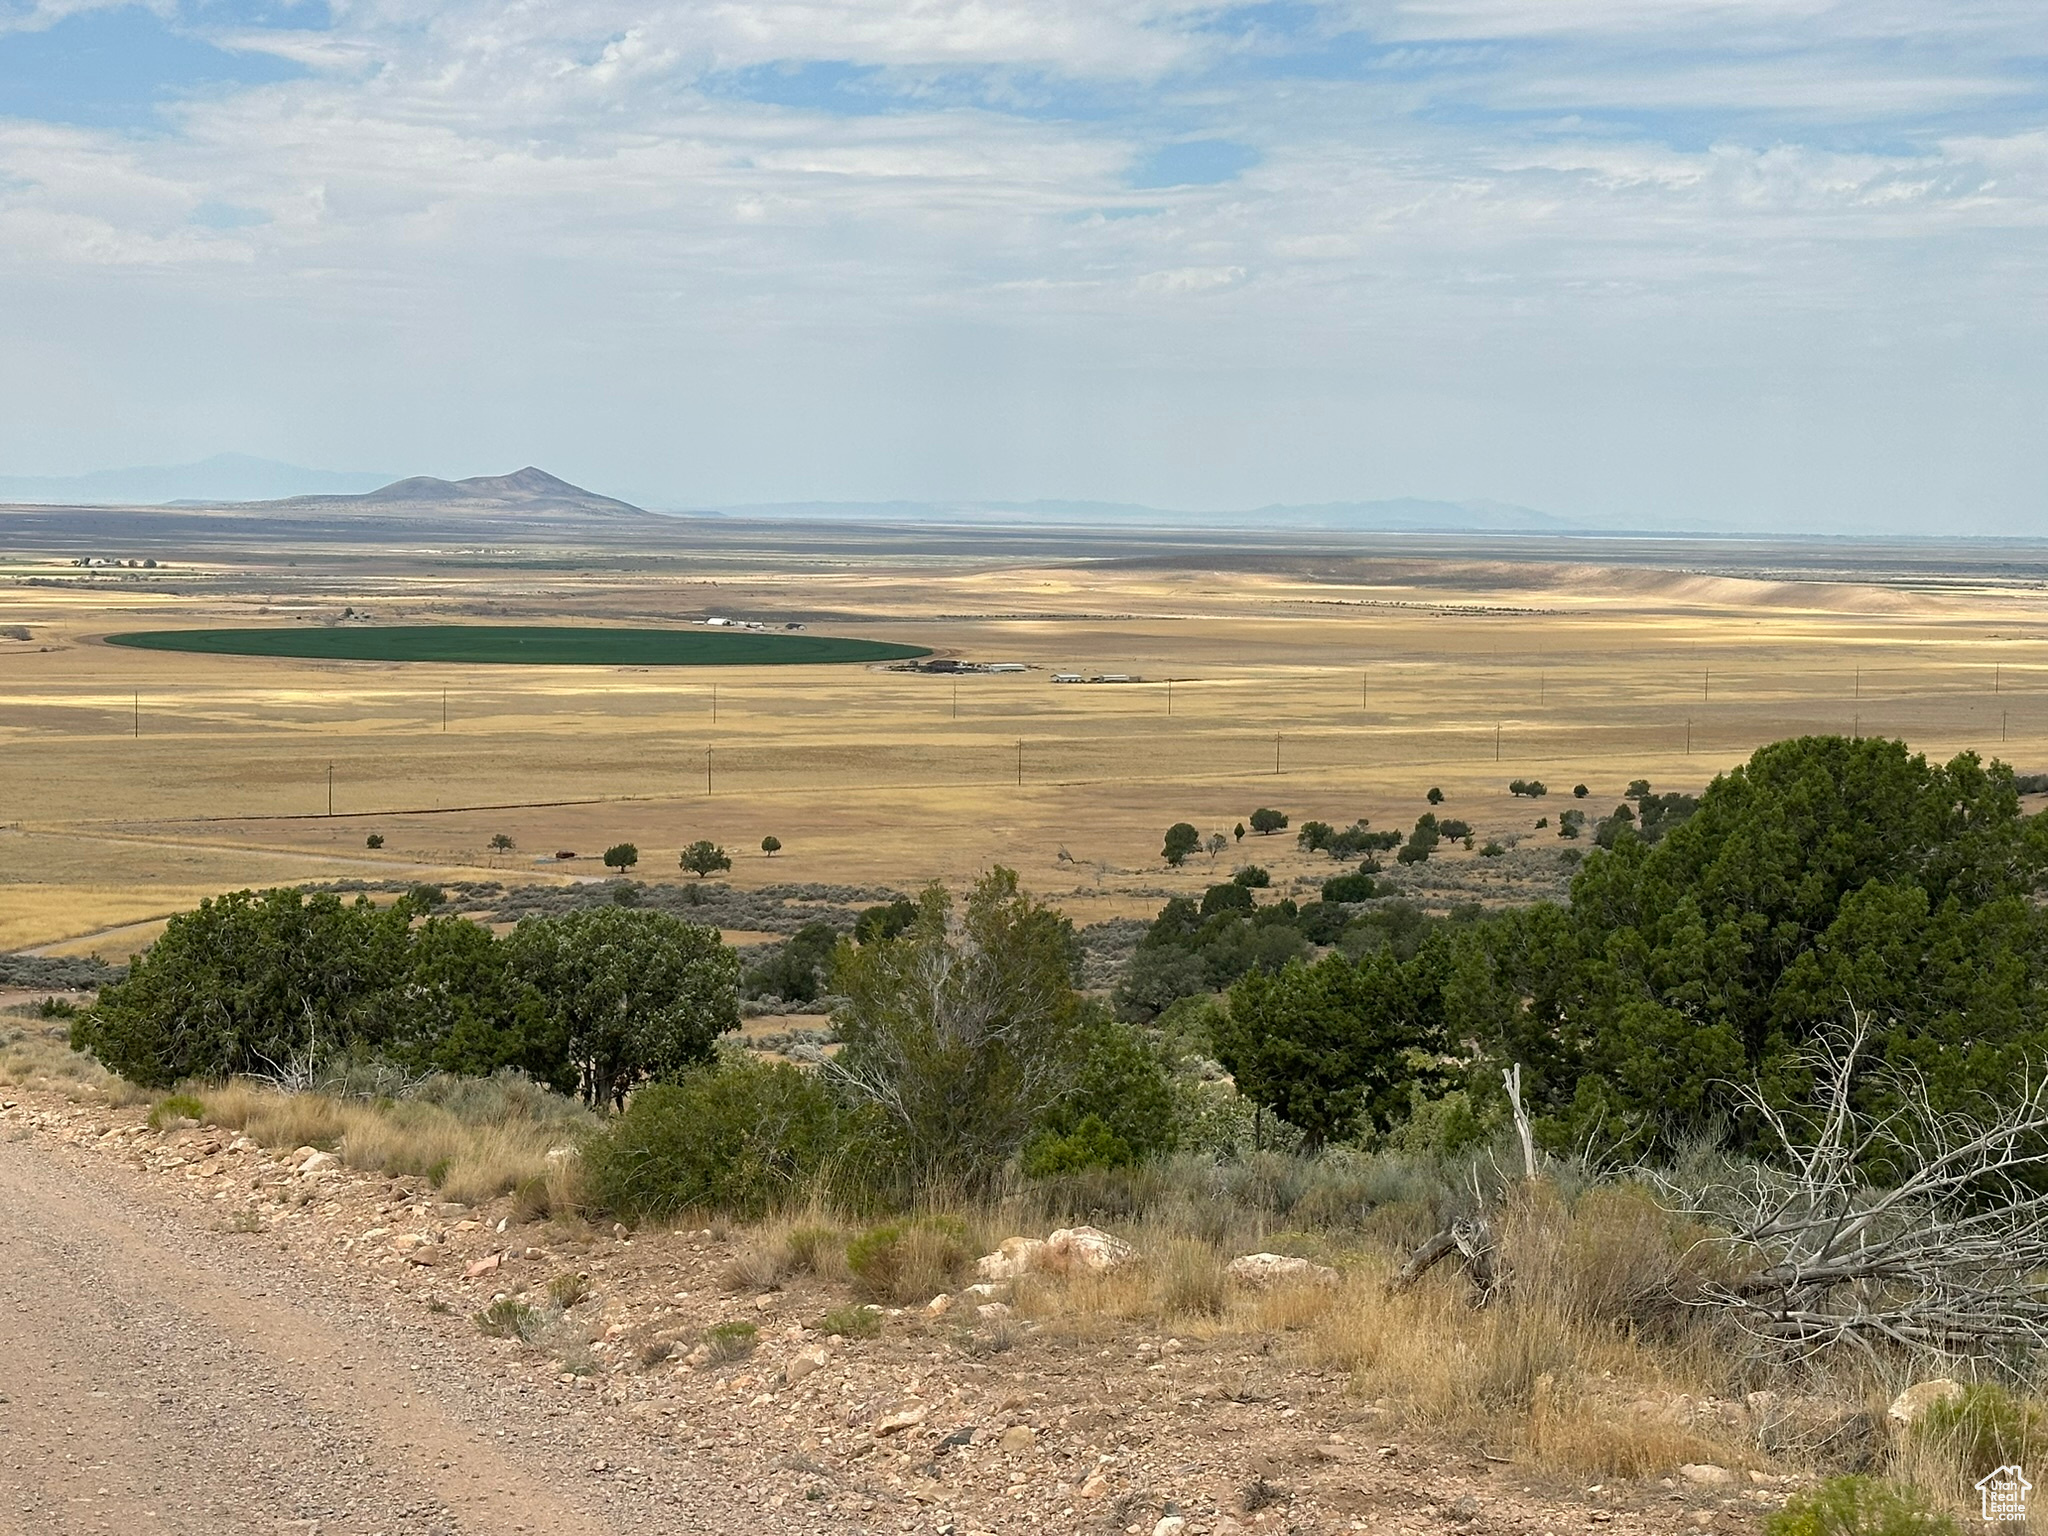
[1329, 686]
[199, 1337]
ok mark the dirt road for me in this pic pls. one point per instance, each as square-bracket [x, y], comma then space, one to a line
[156, 1378]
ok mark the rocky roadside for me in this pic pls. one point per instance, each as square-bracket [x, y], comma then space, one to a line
[953, 1419]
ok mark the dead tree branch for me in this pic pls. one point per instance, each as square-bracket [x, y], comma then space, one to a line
[1907, 1226]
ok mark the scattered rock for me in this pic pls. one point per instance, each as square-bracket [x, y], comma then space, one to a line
[1706, 1474]
[1170, 1525]
[319, 1162]
[802, 1365]
[1910, 1405]
[483, 1266]
[1095, 1485]
[1263, 1271]
[992, 1310]
[1018, 1438]
[939, 1305]
[426, 1254]
[907, 1418]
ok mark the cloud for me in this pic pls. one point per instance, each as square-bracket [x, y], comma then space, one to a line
[1503, 204]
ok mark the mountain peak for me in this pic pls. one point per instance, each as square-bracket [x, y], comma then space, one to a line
[528, 489]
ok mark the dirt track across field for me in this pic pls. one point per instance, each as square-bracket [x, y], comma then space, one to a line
[148, 1387]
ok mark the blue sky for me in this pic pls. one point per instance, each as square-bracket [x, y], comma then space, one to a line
[1735, 263]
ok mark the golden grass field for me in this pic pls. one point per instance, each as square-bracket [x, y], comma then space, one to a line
[1327, 687]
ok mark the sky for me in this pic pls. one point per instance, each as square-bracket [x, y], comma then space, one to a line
[1750, 264]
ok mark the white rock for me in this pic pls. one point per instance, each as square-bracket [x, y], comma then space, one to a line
[1170, 1525]
[1263, 1271]
[1085, 1250]
[319, 1162]
[1908, 1407]
[1018, 1438]
[939, 1305]
[992, 1310]
[1707, 1474]
[987, 1291]
[1013, 1257]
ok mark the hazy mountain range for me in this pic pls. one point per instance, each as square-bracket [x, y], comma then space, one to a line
[225, 477]
[233, 479]
[1406, 514]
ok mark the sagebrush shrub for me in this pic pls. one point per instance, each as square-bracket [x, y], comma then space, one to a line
[1857, 1506]
[726, 1342]
[850, 1323]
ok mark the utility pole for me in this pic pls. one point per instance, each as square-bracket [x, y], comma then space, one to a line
[330, 789]
[138, 712]
[1020, 765]
[1364, 687]
[1276, 751]
[1688, 735]
[714, 703]
[1706, 679]
[1997, 668]
[1169, 698]
[1496, 741]
[444, 711]
[707, 771]
[1859, 682]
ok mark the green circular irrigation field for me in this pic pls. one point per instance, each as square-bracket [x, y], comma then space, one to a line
[528, 644]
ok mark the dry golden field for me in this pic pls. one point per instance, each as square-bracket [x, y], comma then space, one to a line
[1329, 686]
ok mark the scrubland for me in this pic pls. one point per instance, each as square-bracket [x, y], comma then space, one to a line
[1337, 686]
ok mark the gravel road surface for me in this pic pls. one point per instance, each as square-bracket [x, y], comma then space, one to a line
[155, 1378]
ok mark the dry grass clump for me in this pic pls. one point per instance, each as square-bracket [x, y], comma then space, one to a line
[1577, 1362]
[782, 1248]
[470, 1161]
[1188, 1280]
[36, 1054]
[1582, 1362]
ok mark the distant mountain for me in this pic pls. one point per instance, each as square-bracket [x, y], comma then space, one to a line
[527, 491]
[223, 478]
[1400, 516]
[1411, 515]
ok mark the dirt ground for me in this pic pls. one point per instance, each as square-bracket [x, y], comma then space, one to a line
[202, 1337]
[1331, 685]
